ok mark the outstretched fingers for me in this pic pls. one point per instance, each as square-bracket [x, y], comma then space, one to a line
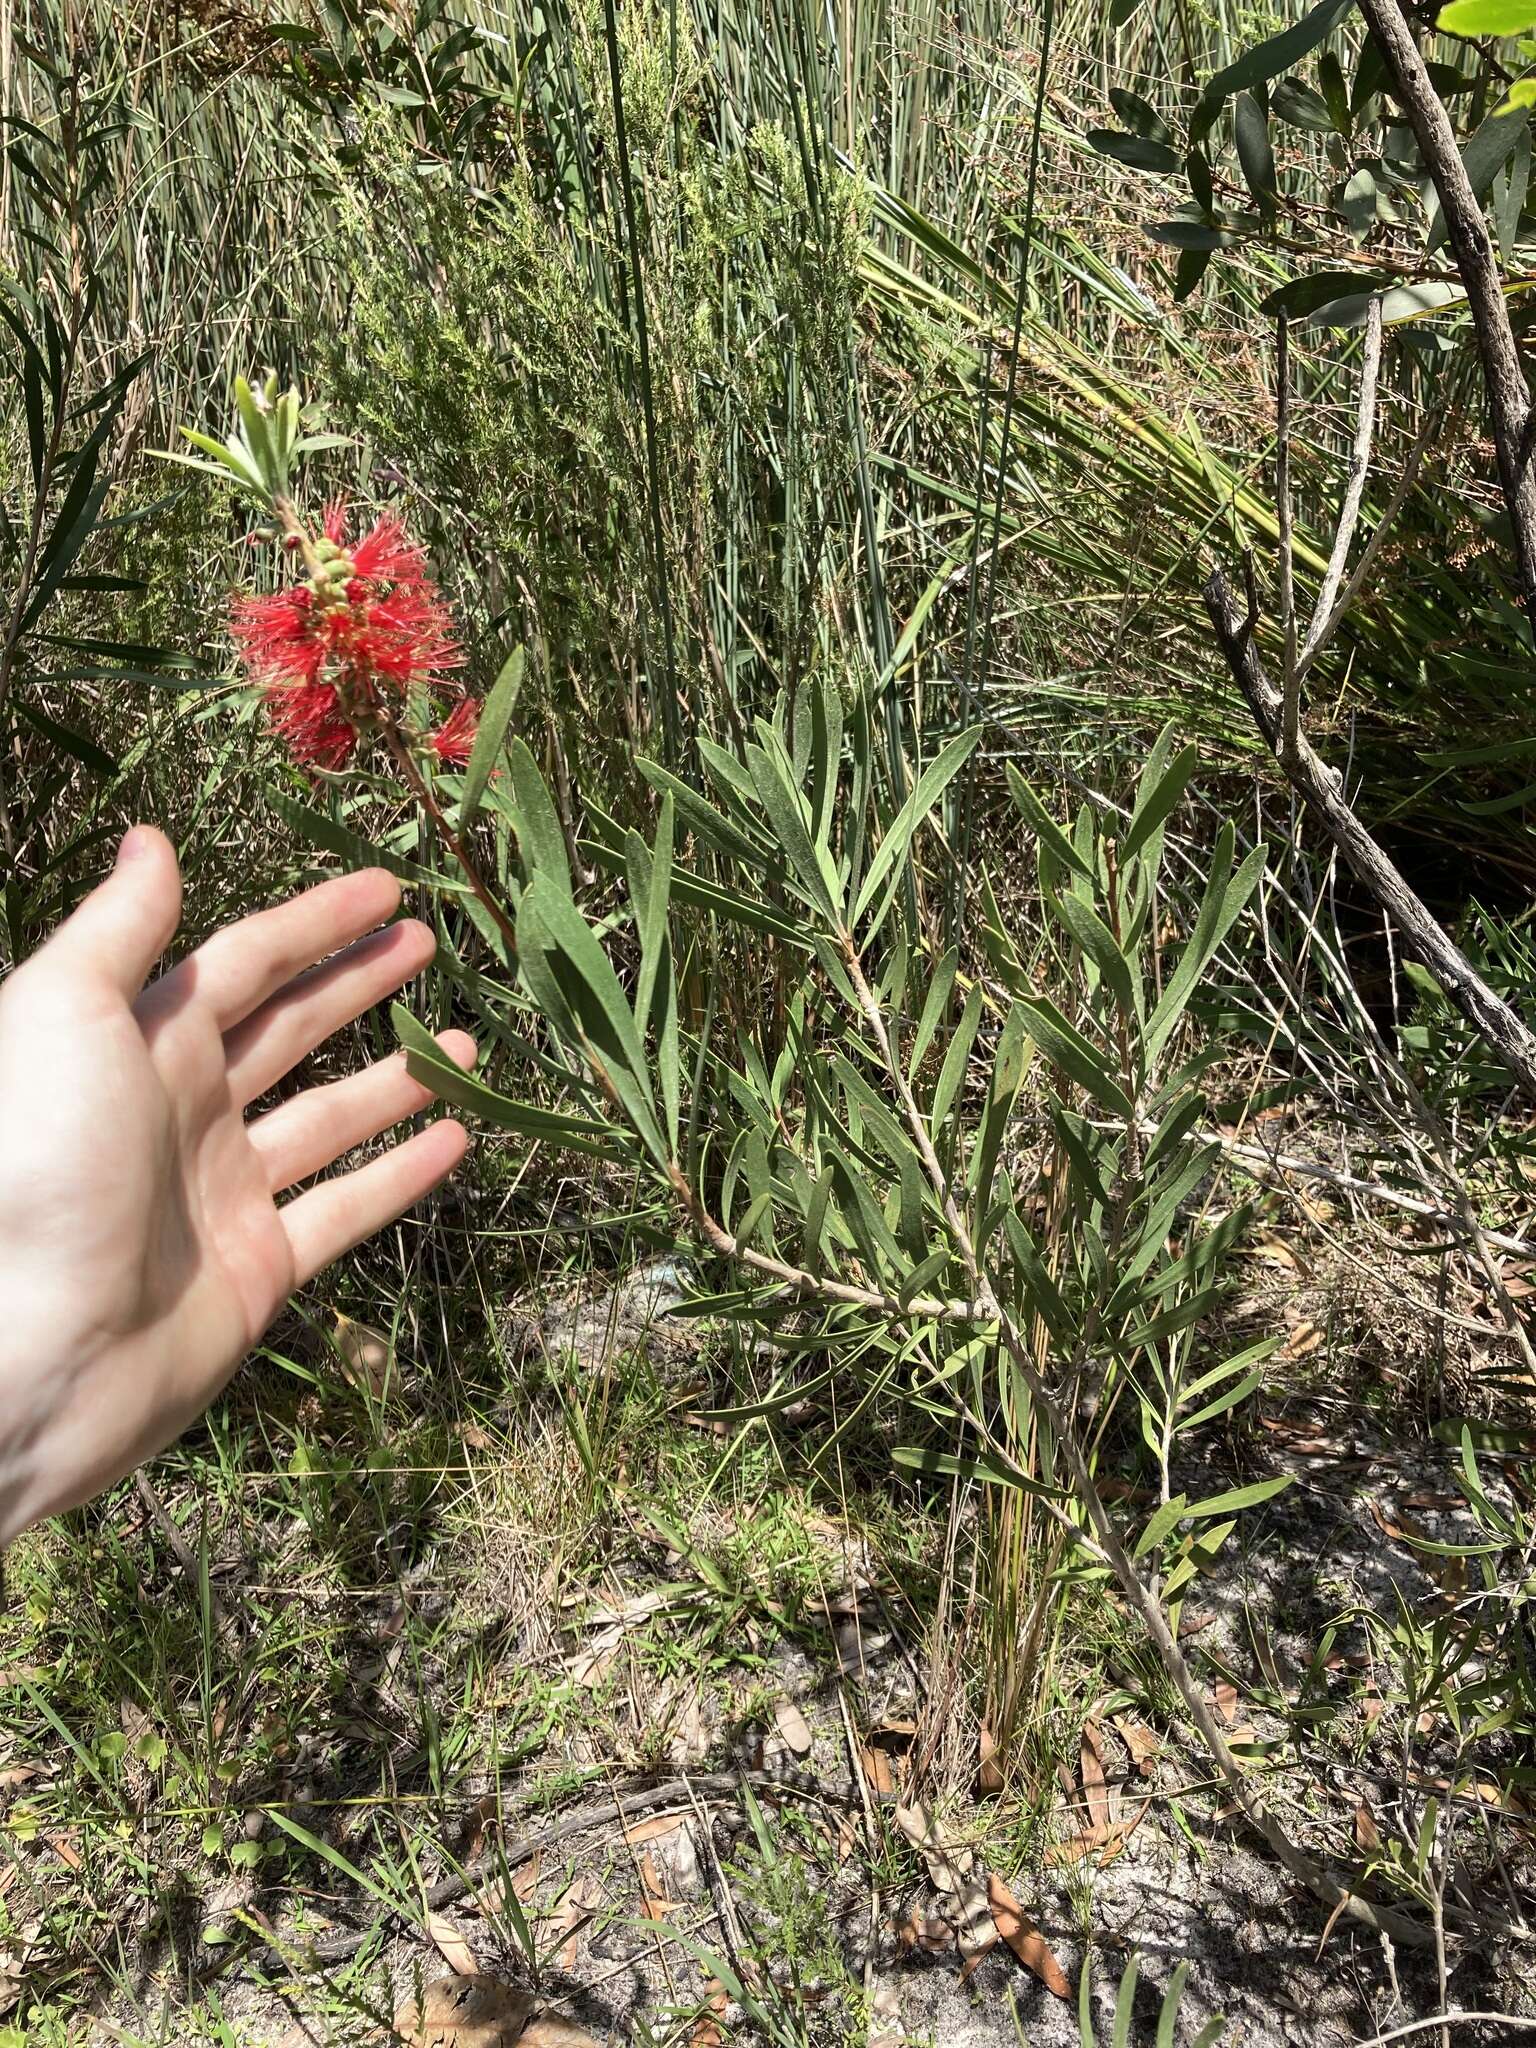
[306, 1135]
[340, 1213]
[246, 964]
[273, 1039]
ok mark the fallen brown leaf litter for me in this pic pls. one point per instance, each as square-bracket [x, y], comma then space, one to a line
[483, 2012]
[464, 2012]
[792, 1726]
[452, 1945]
[972, 1909]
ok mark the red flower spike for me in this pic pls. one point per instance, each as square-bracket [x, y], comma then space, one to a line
[454, 739]
[310, 721]
[338, 650]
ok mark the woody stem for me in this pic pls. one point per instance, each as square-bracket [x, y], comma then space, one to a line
[421, 789]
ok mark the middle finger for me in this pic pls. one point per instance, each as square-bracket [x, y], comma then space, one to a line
[299, 1017]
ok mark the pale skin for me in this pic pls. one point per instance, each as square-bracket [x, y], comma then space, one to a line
[148, 1232]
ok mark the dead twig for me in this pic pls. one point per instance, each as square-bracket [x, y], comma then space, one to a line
[619, 1803]
[1290, 714]
[1322, 792]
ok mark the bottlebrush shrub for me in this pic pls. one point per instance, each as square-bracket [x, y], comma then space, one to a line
[359, 643]
[851, 1156]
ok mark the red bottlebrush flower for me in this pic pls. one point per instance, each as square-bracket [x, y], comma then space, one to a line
[365, 626]
[455, 737]
[310, 720]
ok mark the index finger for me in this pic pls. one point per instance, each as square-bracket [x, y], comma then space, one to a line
[236, 970]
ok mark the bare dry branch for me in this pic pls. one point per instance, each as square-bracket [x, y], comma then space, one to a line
[1321, 790]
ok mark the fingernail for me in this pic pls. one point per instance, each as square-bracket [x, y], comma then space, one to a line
[135, 842]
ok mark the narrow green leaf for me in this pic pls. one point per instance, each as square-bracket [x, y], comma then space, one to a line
[1160, 1525]
[594, 996]
[1225, 899]
[1098, 945]
[1239, 1497]
[1065, 1047]
[700, 816]
[430, 1065]
[952, 1072]
[927, 790]
[983, 1468]
[540, 838]
[1044, 826]
[327, 832]
[1254, 153]
[935, 1004]
[1267, 60]
[1159, 793]
[786, 814]
[1136, 152]
[490, 734]
[1008, 1070]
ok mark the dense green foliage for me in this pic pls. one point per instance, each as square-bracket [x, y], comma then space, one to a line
[821, 424]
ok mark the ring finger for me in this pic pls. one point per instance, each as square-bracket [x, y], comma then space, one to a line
[305, 1135]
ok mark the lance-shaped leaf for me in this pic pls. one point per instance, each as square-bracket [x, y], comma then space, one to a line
[430, 1065]
[986, 1468]
[491, 734]
[1237, 1498]
[1225, 1376]
[606, 848]
[1065, 1047]
[700, 816]
[935, 1005]
[952, 1072]
[354, 849]
[1267, 60]
[873, 1235]
[1163, 782]
[531, 809]
[788, 820]
[650, 882]
[927, 790]
[1161, 1525]
[1254, 153]
[924, 1276]
[1136, 152]
[1008, 1069]
[1041, 1292]
[826, 757]
[1044, 826]
[1098, 944]
[1225, 898]
[591, 996]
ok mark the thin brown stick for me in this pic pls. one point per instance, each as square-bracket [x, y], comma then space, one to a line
[421, 789]
[1322, 792]
[1319, 637]
[620, 1803]
[1290, 715]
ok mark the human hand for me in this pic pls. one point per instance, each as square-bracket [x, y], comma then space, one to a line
[142, 1252]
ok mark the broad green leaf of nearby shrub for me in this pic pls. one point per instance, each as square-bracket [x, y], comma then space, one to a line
[1486, 18]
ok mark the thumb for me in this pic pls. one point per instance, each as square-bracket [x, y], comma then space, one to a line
[126, 923]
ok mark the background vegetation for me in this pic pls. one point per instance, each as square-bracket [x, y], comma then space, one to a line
[749, 364]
